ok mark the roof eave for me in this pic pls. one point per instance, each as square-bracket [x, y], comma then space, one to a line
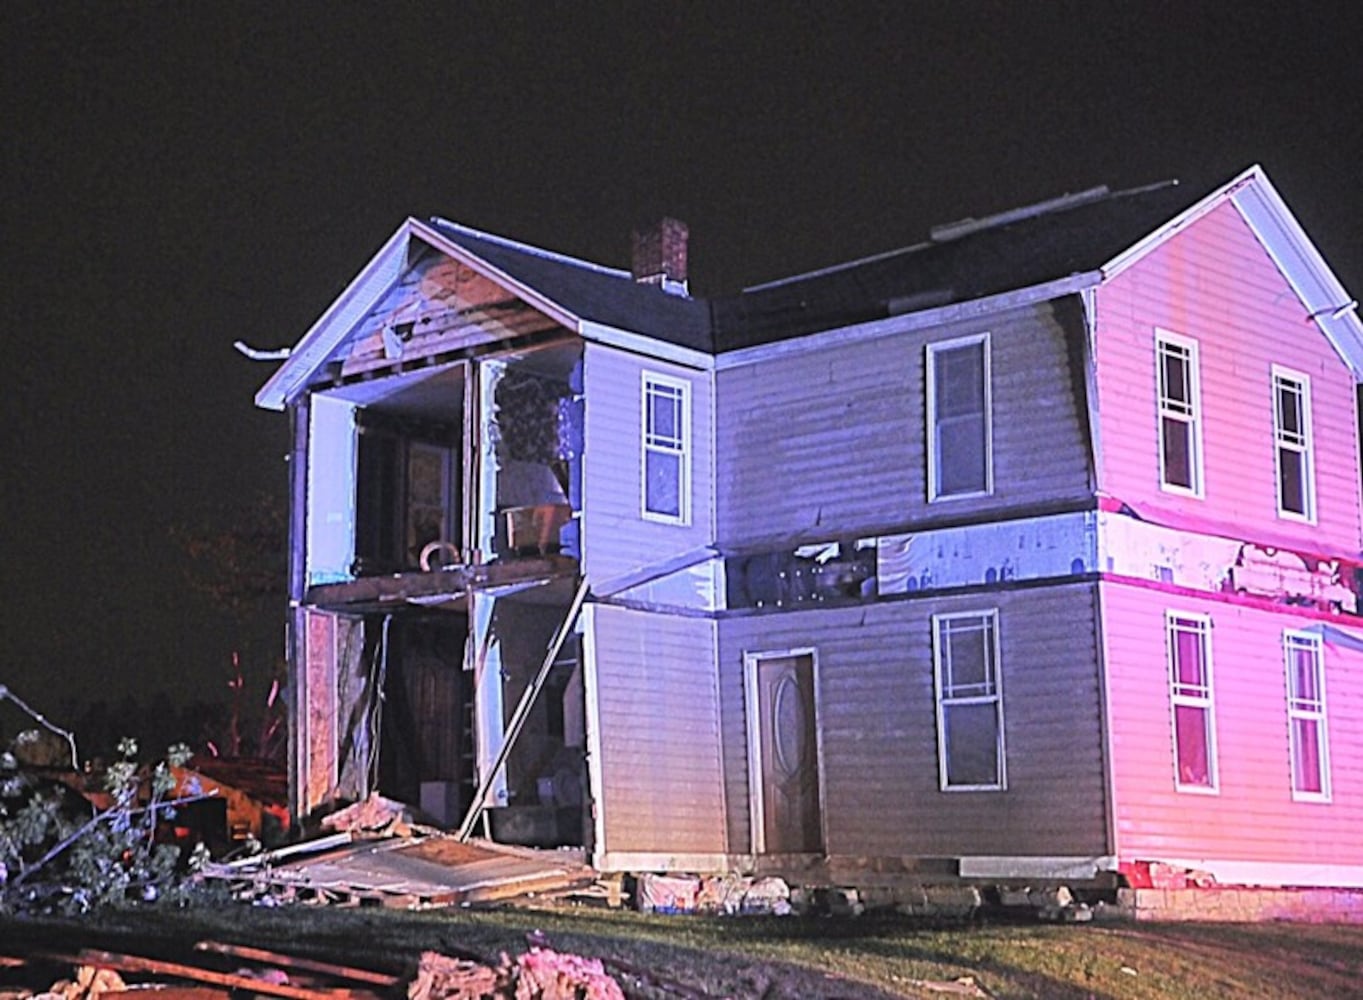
[1328, 304]
[312, 351]
[1324, 297]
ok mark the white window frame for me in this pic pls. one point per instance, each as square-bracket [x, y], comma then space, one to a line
[929, 376]
[1201, 696]
[756, 806]
[1307, 711]
[1189, 413]
[1302, 443]
[946, 697]
[679, 445]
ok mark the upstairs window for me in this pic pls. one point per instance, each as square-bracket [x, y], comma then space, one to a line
[1190, 690]
[1180, 414]
[666, 449]
[960, 456]
[969, 701]
[1292, 444]
[1306, 716]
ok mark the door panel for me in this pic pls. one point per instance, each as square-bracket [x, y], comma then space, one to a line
[788, 753]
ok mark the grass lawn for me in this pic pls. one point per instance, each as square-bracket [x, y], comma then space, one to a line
[869, 956]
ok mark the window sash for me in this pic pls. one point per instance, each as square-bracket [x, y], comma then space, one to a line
[960, 458]
[665, 447]
[1306, 717]
[1180, 412]
[970, 741]
[1292, 444]
[1191, 701]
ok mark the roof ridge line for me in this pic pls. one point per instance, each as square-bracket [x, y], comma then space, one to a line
[529, 248]
[833, 268]
[948, 231]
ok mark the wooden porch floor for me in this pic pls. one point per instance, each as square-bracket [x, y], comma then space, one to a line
[408, 872]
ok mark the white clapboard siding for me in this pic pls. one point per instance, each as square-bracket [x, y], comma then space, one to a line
[616, 539]
[661, 784]
[833, 441]
[878, 723]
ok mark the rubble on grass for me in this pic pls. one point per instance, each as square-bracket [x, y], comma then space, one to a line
[538, 974]
[374, 816]
[715, 895]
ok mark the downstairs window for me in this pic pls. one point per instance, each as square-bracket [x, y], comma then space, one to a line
[1190, 694]
[969, 701]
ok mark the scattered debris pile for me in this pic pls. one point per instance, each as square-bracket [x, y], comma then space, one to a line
[539, 974]
[725, 895]
[222, 970]
[388, 862]
[88, 983]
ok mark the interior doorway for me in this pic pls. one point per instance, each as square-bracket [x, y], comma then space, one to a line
[425, 732]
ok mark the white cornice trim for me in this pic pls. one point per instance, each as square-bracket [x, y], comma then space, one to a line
[638, 343]
[1138, 250]
[894, 325]
[322, 338]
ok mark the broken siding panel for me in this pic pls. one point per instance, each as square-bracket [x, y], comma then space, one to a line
[1215, 284]
[794, 431]
[662, 788]
[1253, 816]
[330, 737]
[355, 704]
[437, 305]
[877, 717]
[317, 737]
[617, 540]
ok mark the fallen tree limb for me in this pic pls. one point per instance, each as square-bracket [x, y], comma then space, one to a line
[61, 845]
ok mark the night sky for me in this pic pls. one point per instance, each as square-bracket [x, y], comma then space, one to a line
[180, 176]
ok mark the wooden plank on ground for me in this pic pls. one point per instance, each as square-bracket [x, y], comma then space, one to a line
[157, 967]
[299, 963]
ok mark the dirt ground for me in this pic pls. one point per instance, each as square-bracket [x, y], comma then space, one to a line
[874, 956]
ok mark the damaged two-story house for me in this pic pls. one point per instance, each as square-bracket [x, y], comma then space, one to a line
[1031, 549]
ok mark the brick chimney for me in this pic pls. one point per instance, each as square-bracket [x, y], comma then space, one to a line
[659, 255]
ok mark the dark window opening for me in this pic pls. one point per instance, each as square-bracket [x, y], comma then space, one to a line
[408, 481]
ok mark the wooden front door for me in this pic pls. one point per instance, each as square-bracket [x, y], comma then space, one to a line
[787, 754]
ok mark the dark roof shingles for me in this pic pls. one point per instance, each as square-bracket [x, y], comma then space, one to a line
[596, 295]
[988, 261]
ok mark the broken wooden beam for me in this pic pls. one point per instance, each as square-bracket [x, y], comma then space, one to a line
[301, 964]
[158, 967]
